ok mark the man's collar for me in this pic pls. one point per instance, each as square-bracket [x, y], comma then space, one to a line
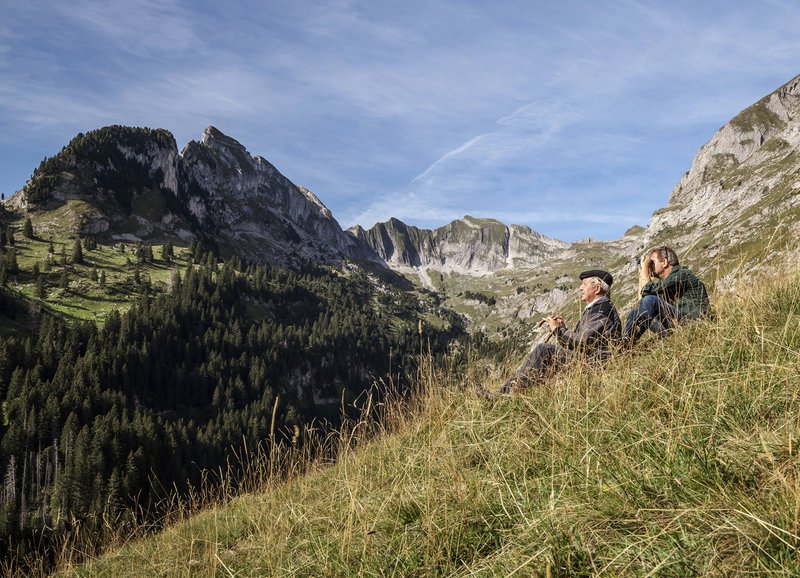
[596, 301]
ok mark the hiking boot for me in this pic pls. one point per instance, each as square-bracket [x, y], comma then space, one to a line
[508, 386]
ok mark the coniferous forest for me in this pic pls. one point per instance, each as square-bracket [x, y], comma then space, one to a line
[94, 418]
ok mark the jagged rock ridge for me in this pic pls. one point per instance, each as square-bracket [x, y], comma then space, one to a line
[257, 209]
[132, 184]
[468, 245]
[737, 208]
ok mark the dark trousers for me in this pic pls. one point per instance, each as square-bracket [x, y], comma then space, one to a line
[652, 313]
[543, 361]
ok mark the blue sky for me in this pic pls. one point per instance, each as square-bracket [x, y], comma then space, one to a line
[575, 118]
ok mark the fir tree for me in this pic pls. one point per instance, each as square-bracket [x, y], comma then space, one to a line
[41, 289]
[167, 253]
[27, 228]
[198, 252]
[77, 251]
[11, 262]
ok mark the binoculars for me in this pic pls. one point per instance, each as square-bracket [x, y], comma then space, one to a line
[639, 264]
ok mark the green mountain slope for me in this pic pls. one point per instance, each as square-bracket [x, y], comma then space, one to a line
[678, 459]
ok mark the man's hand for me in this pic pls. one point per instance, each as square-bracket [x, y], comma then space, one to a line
[555, 321]
[645, 271]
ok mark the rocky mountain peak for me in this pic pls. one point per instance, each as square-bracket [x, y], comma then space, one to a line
[229, 149]
[743, 183]
[212, 134]
[471, 245]
[132, 184]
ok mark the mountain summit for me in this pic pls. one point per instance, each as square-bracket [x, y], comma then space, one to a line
[742, 187]
[132, 184]
[469, 245]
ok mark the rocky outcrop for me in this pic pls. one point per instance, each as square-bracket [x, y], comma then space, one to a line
[468, 245]
[751, 165]
[255, 210]
[132, 184]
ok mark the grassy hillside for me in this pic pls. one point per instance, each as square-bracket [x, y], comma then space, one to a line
[677, 459]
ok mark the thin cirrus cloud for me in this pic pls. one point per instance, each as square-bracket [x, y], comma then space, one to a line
[574, 118]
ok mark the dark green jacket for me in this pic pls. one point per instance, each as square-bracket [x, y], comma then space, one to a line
[682, 289]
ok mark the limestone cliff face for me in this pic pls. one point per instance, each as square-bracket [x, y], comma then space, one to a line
[253, 209]
[132, 184]
[468, 245]
[112, 172]
[743, 183]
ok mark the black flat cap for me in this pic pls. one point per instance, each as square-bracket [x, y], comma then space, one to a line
[604, 275]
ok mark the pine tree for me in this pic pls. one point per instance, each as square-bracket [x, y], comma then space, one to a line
[198, 252]
[41, 289]
[167, 252]
[10, 237]
[102, 279]
[11, 262]
[77, 251]
[175, 279]
[27, 228]
[63, 281]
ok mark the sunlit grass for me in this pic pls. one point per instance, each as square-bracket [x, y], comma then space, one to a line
[85, 297]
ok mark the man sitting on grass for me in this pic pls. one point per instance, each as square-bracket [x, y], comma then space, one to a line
[597, 329]
[669, 292]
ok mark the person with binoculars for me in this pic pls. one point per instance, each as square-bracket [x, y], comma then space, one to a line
[670, 293]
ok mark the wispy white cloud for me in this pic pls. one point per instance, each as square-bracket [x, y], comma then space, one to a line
[140, 27]
[455, 153]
